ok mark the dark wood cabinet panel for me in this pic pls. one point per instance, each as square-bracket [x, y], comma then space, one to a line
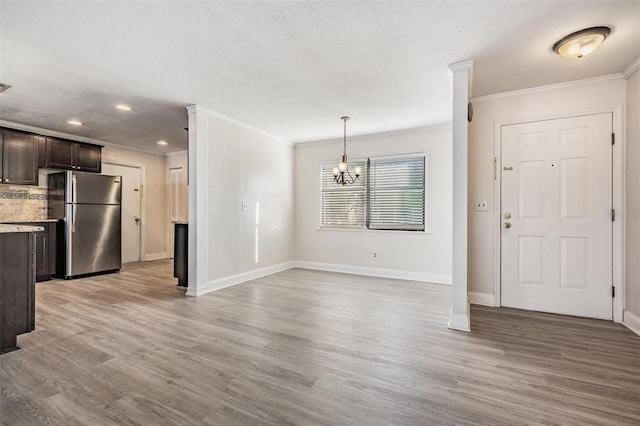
[70, 155]
[17, 287]
[59, 153]
[88, 158]
[45, 250]
[19, 157]
[181, 254]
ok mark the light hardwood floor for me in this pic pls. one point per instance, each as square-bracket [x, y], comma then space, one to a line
[307, 348]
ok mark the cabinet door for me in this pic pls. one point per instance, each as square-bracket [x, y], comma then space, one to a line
[42, 254]
[88, 158]
[59, 153]
[20, 154]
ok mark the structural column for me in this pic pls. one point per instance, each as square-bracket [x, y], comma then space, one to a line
[461, 73]
[198, 201]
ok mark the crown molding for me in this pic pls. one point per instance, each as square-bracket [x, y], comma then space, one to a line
[461, 66]
[631, 69]
[550, 87]
[46, 132]
[172, 154]
[411, 130]
[193, 108]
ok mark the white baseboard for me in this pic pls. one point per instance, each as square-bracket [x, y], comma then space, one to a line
[460, 322]
[155, 256]
[631, 321]
[376, 272]
[484, 299]
[224, 282]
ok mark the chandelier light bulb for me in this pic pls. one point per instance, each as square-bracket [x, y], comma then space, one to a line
[342, 167]
[336, 172]
[357, 170]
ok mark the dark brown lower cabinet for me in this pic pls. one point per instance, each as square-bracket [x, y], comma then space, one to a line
[45, 250]
[17, 287]
[181, 253]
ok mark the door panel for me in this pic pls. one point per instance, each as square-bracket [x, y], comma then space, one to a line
[94, 236]
[131, 209]
[91, 188]
[20, 158]
[556, 256]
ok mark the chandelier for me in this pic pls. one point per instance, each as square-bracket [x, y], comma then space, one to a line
[341, 173]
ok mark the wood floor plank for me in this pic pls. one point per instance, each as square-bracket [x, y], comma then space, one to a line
[305, 347]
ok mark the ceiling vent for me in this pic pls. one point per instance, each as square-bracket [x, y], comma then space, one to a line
[4, 87]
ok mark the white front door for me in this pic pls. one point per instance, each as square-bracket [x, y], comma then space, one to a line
[131, 200]
[556, 251]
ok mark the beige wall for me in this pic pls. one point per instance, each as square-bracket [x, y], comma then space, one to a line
[415, 255]
[250, 167]
[543, 103]
[154, 201]
[632, 278]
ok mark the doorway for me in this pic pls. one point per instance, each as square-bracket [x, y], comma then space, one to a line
[132, 193]
[556, 237]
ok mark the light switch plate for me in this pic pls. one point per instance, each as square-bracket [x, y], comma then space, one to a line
[481, 205]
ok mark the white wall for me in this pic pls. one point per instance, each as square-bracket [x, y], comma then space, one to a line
[247, 166]
[632, 291]
[154, 200]
[412, 255]
[176, 160]
[540, 103]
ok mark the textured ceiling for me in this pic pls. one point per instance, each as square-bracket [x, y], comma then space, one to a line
[290, 68]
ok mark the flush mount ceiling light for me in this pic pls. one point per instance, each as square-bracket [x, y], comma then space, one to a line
[162, 143]
[581, 43]
[341, 173]
[4, 87]
[75, 122]
[123, 107]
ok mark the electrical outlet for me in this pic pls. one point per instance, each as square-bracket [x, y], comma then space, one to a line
[481, 205]
[270, 253]
[245, 206]
[375, 254]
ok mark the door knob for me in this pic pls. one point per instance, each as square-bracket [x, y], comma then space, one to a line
[507, 215]
[137, 219]
[507, 225]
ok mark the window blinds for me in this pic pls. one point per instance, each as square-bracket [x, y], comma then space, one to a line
[397, 193]
[344, 205]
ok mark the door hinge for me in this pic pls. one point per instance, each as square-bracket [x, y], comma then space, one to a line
[613, 138]
[495, 168]
[613, 291]
[613, 215]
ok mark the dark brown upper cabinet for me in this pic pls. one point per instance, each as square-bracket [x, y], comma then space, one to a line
[66, 154]
[18, 157]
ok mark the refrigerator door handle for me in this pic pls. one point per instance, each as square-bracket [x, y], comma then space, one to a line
[74, 190]
[73, 218]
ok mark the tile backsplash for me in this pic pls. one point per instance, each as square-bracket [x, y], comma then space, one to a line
[24, 204]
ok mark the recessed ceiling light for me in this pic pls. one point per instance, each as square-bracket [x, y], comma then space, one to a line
[162, 143]
[123, 107]
[75, 122]
[581, 43]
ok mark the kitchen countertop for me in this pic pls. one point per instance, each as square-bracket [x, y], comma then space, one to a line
[30, 221]
[12, 227]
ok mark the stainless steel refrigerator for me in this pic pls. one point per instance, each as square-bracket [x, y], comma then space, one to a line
[89, 235]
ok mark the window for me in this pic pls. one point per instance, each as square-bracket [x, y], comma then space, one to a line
[344, 205]
[390, 195]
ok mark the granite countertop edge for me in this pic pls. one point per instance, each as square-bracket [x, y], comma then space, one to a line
[6, 228]
[17, 222]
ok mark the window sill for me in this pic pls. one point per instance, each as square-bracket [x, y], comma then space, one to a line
[384, 231]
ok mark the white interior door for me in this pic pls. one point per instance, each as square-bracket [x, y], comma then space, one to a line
[131, 212]
[556, 182]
